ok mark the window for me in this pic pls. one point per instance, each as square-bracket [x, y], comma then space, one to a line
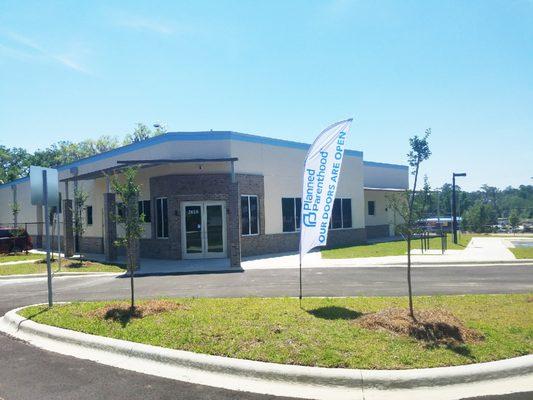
[144, 208]
[371, 208]
[162, 218]
[89, 214]
[291, 208]
[341, 216]
[120, 209]
[346, 213]
[249, 215]
[336, 215]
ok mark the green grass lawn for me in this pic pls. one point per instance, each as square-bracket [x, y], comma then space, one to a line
[324, 332]
[522, 252]
[396, 248]
[66, 266]
[20, 257]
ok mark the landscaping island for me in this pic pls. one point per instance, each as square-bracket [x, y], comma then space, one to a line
[67, 265]
[326, 332]
[522, 252]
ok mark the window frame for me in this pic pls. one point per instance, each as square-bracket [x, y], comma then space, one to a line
[249, 196]
[373, 207]
[161, 221]
[142, 208]
[342, 200]
[89, 214]
[297, 221]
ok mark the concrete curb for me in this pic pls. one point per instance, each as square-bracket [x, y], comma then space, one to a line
[456, 262]
[463, 263]
[270, 378]
[57, 274]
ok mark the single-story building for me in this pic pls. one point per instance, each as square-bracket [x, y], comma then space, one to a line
[212, 194]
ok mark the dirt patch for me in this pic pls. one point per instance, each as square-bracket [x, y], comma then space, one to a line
[436, 326]
[122, 312]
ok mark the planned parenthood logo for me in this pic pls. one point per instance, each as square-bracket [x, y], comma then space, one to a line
[321, 188]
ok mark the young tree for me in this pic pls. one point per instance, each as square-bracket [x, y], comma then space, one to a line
[16, 231]
[514, 219]
[80, 197]
[15, 210]
[410, 208]
[128, 194]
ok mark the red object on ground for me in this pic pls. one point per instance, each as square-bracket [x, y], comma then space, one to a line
[14, 240]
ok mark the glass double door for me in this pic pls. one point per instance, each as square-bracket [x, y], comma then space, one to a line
[203, 229]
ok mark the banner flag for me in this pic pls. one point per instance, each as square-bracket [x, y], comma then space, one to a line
[322, 171]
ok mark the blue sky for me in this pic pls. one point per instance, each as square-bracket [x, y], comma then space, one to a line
[73, 70]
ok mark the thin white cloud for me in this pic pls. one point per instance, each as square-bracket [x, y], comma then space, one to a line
[146, 24]
[70, 63]
[27, 48]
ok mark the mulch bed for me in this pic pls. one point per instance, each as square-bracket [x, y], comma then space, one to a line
[122, 312]
[435, 326]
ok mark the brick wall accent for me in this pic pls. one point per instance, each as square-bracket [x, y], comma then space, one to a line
[68, 228]
[205, 187]
[377, 231]
[233, 223]
[289, 242]
[91, 244]
[110, 227]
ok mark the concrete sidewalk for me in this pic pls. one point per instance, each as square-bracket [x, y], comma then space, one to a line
[153, 266]
[487, 250]
[481, 250]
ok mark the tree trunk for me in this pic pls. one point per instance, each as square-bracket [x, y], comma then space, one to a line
[131, 265]
[410, 289]
[132, 291]
[409, 233]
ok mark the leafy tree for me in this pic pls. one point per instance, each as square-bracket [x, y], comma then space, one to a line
[80, 198]
[480, 217]
[514, 219]
[91, 147]
[128, 194]
[143, 132]
[409, 206]
[426, 195]
[14, 163]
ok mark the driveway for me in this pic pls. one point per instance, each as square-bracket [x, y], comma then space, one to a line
[30, 373]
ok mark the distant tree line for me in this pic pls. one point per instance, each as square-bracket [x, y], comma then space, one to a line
[480, 209]
[15, 161]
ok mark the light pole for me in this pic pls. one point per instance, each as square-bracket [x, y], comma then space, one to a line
[454, 206]
[160, 127]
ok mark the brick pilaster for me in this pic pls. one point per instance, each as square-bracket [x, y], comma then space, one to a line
[234, 225]
[68, 228]
[110, 227]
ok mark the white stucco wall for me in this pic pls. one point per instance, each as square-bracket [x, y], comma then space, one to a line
[384, 215]
[379, 175]
[282, 170]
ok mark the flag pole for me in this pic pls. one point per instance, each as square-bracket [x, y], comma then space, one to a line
[300, 280]
[300, 259]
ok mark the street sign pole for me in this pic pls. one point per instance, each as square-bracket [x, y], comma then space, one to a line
[47, 233]
[58, 240]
